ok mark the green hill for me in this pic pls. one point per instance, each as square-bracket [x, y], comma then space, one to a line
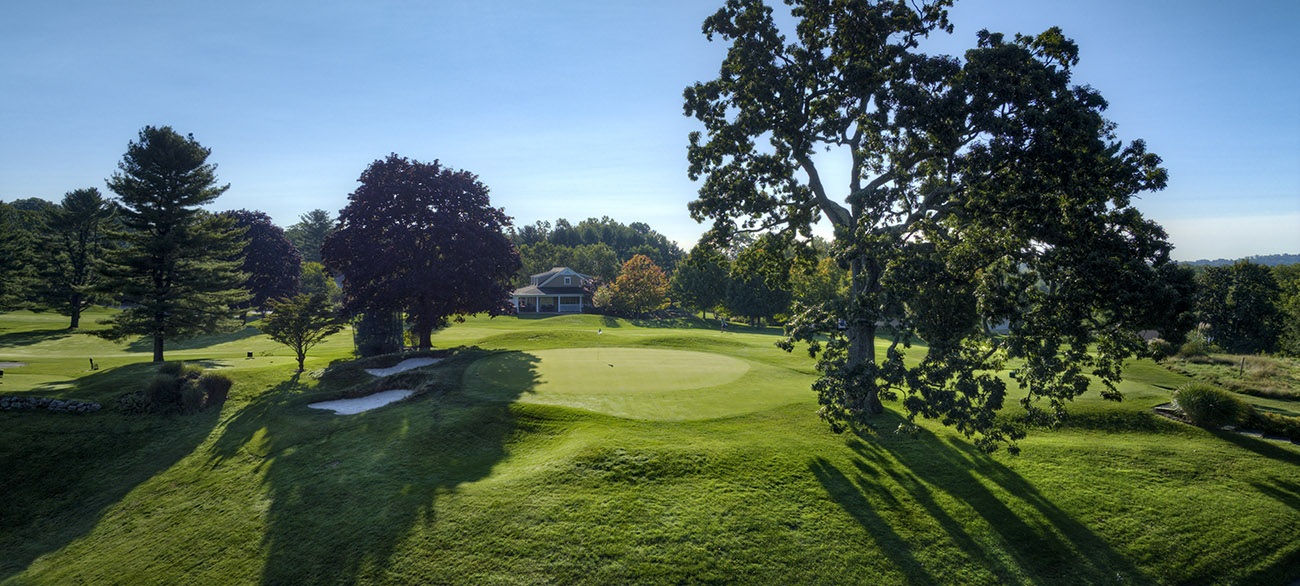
[697, 457]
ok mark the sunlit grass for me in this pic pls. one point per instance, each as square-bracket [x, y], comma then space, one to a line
[733, 481]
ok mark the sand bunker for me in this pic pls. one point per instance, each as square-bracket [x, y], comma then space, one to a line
[366, 403]
[403, 366]
[12, 364]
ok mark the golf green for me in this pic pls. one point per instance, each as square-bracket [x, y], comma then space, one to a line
[639, 383]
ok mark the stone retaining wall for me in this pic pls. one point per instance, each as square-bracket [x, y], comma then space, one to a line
[60, 405]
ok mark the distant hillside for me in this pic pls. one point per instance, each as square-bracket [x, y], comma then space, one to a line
[1268, 260]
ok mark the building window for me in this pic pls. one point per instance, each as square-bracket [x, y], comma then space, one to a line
[568, 280]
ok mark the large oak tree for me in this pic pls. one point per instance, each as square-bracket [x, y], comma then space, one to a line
[981, 190]
[423, 239]
[175, 269]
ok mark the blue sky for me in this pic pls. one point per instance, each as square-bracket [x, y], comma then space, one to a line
[569, 109]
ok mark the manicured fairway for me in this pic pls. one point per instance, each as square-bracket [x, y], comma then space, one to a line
[697, 458]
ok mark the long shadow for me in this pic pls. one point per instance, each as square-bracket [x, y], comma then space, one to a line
[346, 490]
[145, 344]
[1036, 541]
[60, 473]
[29, 337]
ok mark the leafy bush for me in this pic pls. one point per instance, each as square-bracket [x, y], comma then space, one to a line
[215, 387]
[1196, 345]
[1159, 348]
[133, 403]
[191, 398]
[1209, 406]
[162, 393]
[1274, 424]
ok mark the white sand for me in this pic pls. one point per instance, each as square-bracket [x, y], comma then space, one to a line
[366, 403]
[12, 364]
[403, 366]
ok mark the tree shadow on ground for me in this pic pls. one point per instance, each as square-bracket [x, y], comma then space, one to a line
[145, 343]
[1028, 538]
[346, 490]
[30, 337]
[56, 490]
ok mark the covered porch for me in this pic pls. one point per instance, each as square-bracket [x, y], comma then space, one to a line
[549, 304]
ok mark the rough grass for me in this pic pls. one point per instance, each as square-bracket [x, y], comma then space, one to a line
[1270, 382]
[461, 486]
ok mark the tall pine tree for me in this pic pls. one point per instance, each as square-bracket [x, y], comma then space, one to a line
[73, 243]
[175, 269]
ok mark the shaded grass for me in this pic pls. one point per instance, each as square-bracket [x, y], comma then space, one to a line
[457, 485]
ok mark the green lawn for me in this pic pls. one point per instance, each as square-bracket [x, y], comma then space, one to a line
[697, 457]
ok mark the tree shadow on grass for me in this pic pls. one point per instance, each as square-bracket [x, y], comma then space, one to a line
[346, 490]
[62, 472]
[145, 343]
[1028, 538]
[30, 337]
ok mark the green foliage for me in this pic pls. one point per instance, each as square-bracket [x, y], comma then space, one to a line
[315, 281]
[1273, 424]
[15, 259]
[75, 240]
[1159, 349]
[215, 387]
[1239, 303]
[700, 283]
[759, 284]
[1196, 345]
[1288, 281]
[191, 398]
[596, 260]
[1209, 406]
[301, 323]
[162, 393]
[175, 268]
[309, 234]
[625, 241]
[982, 190]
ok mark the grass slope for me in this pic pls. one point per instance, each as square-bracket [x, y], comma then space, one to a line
[508, 468]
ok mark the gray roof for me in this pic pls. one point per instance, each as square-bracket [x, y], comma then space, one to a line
[532, 290]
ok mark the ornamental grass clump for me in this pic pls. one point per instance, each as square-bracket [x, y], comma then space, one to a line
[1209, 406]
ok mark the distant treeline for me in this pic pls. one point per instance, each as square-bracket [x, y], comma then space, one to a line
[1268, 260]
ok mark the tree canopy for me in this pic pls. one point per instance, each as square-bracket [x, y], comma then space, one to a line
[981, 189]
[309, 233]
[272, 263]
[626, 240]
[1239, 303]
[641, 287]
[74, 243]
[175, 267]
[700, 282]
[301, 322]
[15, 259]
[424, 239]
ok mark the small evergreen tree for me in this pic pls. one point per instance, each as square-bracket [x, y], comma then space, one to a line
[15, 259]
[175, 267]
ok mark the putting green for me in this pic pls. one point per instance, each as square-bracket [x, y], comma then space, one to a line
[640, 383]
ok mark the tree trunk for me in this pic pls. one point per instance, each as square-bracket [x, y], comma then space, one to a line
[862, 341]
[76, 318]
[301, 356]
[426, 336]
[157, 348]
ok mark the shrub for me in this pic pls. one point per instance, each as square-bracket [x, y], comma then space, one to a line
[172, 369]
[162, 393]
[1195, 346]
[1159, 348]
[1274, 424]
[215, 387]
[191, 398]
[1209, 406]
[133, 403]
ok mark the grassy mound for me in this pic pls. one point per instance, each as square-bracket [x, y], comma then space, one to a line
[487, 478]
